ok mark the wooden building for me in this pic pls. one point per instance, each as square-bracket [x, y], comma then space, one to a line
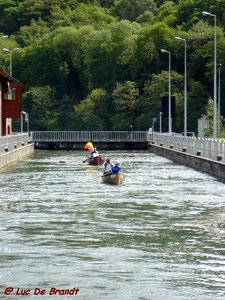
[10, 102]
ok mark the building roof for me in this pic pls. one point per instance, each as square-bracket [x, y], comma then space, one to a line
[4, 75]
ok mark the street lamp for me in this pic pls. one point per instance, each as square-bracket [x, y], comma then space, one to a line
[4, 36]
[219, 66]
[27, 121]
[205, 13]
[160, 121]
[10, 52]
[25, 114]
[153, 124]
[185, 83]
[169, 104]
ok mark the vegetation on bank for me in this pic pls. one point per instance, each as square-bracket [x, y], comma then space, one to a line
[98, 65]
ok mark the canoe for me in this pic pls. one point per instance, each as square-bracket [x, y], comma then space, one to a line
[96, 161]
[113, 178]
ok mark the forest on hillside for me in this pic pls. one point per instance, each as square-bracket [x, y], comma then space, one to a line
[98, 65]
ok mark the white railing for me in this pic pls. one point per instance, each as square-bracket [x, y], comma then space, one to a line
[13, 141]
[205, 147]
[208, 148]
[95, 136]
[119, 136]
[60, 136]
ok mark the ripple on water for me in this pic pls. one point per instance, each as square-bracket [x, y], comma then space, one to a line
[158, 236]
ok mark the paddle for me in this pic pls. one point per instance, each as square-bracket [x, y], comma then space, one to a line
[108, 173]
[144, 182]
[92, 178]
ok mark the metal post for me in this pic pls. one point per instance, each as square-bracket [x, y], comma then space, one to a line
[185, 83]
[169, 98]
[21, 124]
[219, 66]
[160, 121]
[22, 113]
[10, 70]
[10, 52]
[205, 13]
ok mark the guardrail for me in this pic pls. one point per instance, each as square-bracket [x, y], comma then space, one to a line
[205, 147]
[85, 136]
[209, 148]
[13, 141]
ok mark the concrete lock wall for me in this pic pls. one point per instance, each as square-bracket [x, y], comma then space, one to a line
[206, 165]
[12, 156]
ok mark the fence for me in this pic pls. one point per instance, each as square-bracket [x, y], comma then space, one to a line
[205, 147]
[85, 136]
[11, 142]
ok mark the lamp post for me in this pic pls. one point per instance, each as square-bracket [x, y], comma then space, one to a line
[27, 121]
[153, 124]
[205, 13]
[185, 83]
[10, 52]
[219, 66]
[169, 101]
[4, 36]
[22, 113]
[160, 122]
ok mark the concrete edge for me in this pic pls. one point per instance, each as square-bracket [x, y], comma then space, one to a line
[12, 156]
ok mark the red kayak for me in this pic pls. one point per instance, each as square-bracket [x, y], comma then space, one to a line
[96, 161]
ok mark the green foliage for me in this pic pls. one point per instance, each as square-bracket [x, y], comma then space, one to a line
[196, 104]
[39, 103]
[125, 99]
[104, 59]
[91, 113]
[132, 9]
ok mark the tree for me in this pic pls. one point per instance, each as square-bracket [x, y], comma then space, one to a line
[91, 113]
[125, 99]
[38, 102]
[196, 104]
[132, 9]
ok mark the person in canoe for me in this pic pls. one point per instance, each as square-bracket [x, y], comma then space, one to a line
[107, 167]
[94, 153]
[116, 168]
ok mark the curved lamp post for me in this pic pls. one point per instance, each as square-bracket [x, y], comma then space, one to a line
[205, 13]
[25, 114]
[169, 104]
[10, 52]
[185, 83]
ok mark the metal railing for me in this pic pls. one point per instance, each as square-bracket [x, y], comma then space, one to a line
[85, 136]
[13, 141]
[60, 136]
[205, 147]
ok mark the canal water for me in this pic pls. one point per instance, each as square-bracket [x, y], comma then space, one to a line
[158, 236]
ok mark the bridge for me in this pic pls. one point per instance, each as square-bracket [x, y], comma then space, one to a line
[103, 140]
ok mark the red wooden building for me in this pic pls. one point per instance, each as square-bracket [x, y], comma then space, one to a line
[10, 102]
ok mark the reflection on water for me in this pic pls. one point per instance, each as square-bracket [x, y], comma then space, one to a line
[160, 235]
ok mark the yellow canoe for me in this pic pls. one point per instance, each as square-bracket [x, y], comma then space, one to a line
[113, 178]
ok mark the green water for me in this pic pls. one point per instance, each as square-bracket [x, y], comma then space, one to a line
[158, 236]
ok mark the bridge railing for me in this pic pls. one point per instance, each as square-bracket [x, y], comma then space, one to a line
[85, 136]
[119, 136]
[60, 136]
